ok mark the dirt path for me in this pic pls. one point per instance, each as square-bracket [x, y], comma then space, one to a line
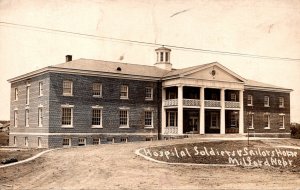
[117, 167]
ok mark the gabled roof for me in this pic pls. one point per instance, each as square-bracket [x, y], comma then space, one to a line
[113, 67]
[252, 84]
[190, 70]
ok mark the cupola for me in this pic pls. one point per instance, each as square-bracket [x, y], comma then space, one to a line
[163, 58]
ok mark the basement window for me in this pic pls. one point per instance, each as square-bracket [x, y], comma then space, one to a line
[81, 141]
[124, 140]
[66, 142]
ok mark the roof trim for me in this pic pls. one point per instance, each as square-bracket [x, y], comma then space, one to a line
[248, 87]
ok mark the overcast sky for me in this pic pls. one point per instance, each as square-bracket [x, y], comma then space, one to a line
[262, 27]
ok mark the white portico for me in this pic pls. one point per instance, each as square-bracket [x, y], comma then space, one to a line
[202, 99]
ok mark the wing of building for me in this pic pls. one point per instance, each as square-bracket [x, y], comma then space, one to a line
[87, 101]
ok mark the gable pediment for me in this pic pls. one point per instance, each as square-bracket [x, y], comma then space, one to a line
[215, 72]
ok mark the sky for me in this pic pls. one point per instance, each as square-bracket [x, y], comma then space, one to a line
[260, 27]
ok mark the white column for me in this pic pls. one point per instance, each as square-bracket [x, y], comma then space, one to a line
[222, 129]
[202, 112]
[241, 113]
[163, 111]
[180, 110]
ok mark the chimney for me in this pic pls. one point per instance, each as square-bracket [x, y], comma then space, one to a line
[68, 58]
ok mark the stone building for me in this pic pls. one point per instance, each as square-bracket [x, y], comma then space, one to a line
[83, 102]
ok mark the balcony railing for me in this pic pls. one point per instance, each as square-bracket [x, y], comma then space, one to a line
[191, 102]
[212, 103]
[171, 130]
[171, 102]
[230, 104]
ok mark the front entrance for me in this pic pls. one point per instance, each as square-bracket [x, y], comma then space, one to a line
[212, 121]
[191, 121]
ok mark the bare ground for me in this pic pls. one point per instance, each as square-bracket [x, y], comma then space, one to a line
[117, 167]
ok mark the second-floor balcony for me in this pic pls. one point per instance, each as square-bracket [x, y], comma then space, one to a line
[197, 103]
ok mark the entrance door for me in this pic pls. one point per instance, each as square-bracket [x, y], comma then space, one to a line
[193, 124]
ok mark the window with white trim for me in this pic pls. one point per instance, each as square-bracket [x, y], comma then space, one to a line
[148, 119]
[167, 56]
[171, 118]
[66, 142]
[26, 141]
[97, 89]
[124, 92]
[67, 116]
[81, 141]
[67, 88]
[40, 88]
[267, 121]
[96, 141]
[124, 139]
[15, 118]
[249, 100]
[39, 142]
[40, 116]
[267, 101]
[161, 56]
[124, 119]
[27, 94]
[27, 118]
[281, 102]
[148, 93]
[96, 117]
[233, 119]
[16, 94]
[281, 122]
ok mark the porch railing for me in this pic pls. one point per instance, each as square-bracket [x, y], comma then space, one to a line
[191, 102]
[171, 130]
[231, 104]
[171, 102]
[212, 103]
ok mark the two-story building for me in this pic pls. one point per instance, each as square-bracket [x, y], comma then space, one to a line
[82, 102]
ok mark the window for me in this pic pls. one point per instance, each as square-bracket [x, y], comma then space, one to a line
[267, 121]
[124, 92]
[27, 94]
[124, 139]
[67, 88]
[96, 141]
[251, 121]
[214, 120]
[267, 101]
[233, 97]
[67, 117]
[15, 141]
[149, 93]
[16, 118]
[281, 102]
[39, 142]
[124, 119]
[40, 117]
[161, 56]
[233, 120]
[40, 88]
[148, 119]
[16, 94]
[281, 122]
[27, 118]
[97, 117]
[66, 142]
[250, 100]
[167, 56]
[97, 89]
[172, 119]
[26, 141]
[81, 141]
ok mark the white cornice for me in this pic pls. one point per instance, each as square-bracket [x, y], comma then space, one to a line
[247, 87]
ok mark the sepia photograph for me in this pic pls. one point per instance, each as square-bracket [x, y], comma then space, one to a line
[149, 94]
